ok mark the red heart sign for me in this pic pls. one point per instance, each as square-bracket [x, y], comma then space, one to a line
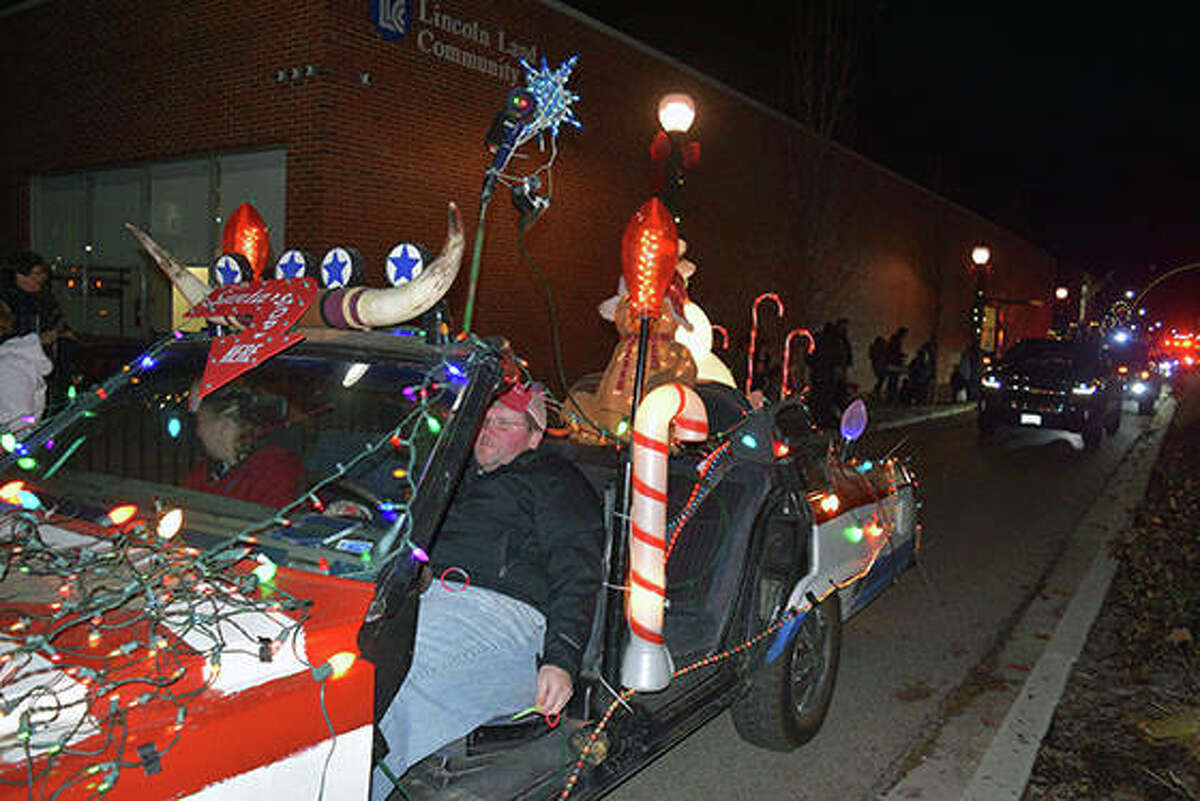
[273, 307]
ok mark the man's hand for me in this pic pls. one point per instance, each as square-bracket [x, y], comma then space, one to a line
[553, 689]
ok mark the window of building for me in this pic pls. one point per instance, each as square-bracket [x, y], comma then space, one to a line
[106, 285]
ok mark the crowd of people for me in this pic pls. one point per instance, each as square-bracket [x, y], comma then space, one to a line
[899, 380]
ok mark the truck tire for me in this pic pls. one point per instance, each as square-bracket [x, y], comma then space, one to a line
[788, 698]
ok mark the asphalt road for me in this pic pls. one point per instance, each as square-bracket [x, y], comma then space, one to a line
[995, 518]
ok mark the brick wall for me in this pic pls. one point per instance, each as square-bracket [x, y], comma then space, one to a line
[109, 82]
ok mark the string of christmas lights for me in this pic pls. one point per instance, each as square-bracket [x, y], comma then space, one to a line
[126, 623]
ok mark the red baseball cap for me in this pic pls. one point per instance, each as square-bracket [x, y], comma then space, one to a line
[529, 399]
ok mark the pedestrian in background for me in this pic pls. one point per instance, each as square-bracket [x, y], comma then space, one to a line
[23, 367]
[896, 359]
[35, 310]
[878, 356]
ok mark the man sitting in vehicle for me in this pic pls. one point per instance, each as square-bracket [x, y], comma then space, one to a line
[518, 564]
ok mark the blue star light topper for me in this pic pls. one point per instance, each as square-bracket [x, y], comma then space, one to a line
[292, 264]
[404, 263]
[227, 271]
[553, 99]
[337, 268]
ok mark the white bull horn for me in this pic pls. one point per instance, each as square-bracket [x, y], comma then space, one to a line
[189, 285]
[377, 308]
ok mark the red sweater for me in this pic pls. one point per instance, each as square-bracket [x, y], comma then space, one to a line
[271, 476]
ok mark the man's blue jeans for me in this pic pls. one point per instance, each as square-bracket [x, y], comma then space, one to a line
[475, 658]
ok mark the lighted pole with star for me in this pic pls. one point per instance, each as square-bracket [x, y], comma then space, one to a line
[541, 106]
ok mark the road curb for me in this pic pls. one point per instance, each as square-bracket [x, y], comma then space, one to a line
[1004, 770]
[994, 763]
[923, 417]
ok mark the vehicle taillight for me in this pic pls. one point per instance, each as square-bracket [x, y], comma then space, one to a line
[1122, 369]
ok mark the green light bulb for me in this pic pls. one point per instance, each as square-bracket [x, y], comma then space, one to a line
[434, 425]
[853, 533]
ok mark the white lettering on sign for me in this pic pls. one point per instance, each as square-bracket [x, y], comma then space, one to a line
[476, 33]
[243, 354]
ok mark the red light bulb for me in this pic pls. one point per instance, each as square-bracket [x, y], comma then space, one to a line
[649, 253]
[246, 233]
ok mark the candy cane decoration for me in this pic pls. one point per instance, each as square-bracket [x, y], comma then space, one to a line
[771, 296]
[720, 329]
[787, 354]
[646, 665]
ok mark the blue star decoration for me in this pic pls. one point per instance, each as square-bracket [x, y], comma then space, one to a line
[336, 268]
[553, 99]
[291, 265]
[404, 263]
[227, 271]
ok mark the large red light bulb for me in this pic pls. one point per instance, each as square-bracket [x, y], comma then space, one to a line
[649, 253]
[246, 233]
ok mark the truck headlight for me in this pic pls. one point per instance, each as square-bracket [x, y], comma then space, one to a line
[1139, 388]
[991, 382]
[1083, 389]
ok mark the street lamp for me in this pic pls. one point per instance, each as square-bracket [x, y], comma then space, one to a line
[676, 113]
[1061, 293]
[981, 256]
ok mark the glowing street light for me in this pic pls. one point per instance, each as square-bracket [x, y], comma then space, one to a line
[1061, 293]
[981, 256]
[676, 112]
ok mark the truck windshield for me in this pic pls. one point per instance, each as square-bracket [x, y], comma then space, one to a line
[310, 427]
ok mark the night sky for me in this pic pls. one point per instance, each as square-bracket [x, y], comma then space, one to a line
[1075, 128]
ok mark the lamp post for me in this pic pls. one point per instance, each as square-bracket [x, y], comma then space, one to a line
[981, 257]
[676, 113]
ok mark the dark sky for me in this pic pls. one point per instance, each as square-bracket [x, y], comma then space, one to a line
[1077, 128]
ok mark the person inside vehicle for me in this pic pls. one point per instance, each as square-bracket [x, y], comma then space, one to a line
[516, 566]
[230, 423]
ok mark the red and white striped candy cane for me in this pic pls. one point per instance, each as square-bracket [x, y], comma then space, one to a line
[646, 665]
[787, 357]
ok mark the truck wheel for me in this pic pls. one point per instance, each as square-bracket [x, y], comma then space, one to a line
[788, 698]
[1146, 406]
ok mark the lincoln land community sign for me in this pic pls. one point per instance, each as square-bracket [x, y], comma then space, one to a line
[444, 35]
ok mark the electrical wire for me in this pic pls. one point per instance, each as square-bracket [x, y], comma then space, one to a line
[332, 743]
[556, 341]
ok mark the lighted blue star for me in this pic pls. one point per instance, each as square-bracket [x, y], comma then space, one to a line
[404, 263]
[228, 271]
[291, 265]
[550, 90]
[336, 268]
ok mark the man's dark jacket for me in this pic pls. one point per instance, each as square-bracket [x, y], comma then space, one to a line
[531, 529]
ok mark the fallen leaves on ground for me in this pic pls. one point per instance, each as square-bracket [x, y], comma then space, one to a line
[1128, 725]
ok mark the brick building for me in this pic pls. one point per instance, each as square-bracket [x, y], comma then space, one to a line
[353, 122]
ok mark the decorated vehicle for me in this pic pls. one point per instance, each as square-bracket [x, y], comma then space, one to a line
[203, 555]
[149, 614]
[1050, 383]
